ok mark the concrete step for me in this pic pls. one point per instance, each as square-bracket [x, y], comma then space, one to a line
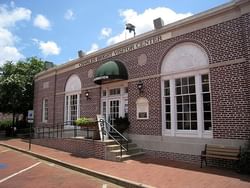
[116, 146]
[129, 152]
[129, 156]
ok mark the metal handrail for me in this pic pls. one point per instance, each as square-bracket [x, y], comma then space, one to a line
[122, 136]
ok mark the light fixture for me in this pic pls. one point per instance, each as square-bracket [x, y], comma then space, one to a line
[87, 95]
[130, 27]
[140, 86]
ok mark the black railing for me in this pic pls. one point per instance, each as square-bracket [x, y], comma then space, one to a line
[62, 131]
[122, 141]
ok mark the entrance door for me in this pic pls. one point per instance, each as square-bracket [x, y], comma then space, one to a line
[114, 110]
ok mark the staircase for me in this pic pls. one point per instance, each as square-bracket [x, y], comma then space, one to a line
[113, 151]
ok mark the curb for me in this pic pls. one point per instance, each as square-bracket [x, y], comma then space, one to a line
[113, 179]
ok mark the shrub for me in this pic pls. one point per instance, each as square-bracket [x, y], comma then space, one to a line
[85, 121]
[4, 124]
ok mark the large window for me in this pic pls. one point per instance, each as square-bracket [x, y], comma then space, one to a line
[45, 111]
[72, 99]
[181, 98]
[186, 103]
[72, 107]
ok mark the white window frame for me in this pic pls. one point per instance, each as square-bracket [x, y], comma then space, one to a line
[122, 97]
[45, 110]
[68, 113]
[200, 132]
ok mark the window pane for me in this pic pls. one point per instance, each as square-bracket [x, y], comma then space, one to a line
[167, 100]
[180, 125]
[206, 106]
[193, 107]
[179, 117]
[168, 125]
[186, 116]
[207, 125]
[206, 97]
[184, 89]
[179, 108]
[207, 115]
[186, 125]
[168, 117]
[177, 82]
[166, 84]
[191, 80]
[179, 99]
[184, 81]
[194, 125]
[186, 99]
[204, 78]
[178, 90]
[205, 87]
[192, 89]
[167, 108]
[193, 116]
[167, 92]
[192, 98]
[186, 107]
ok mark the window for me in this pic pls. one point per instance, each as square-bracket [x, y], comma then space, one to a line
[183, 101]
[72, 99]
[186, 103]
[45, 111]
[116, 91]
[167, 104]
[206, 102]
[72, 108]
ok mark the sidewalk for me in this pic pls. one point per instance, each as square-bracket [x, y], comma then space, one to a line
[139, 172]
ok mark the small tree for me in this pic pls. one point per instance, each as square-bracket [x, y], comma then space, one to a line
[17, 87]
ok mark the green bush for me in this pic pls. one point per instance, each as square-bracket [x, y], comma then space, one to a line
[84, 121]
[5, 124]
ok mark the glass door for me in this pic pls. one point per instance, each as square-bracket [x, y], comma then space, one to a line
[114, 110]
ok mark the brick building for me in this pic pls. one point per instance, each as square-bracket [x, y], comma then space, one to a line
[181, 85]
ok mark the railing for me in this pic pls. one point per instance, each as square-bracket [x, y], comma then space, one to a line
[63, 130]
[122, 139]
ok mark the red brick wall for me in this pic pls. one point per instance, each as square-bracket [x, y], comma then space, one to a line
[84, 148]
[229, 88]
[151, 91]
[230, 94]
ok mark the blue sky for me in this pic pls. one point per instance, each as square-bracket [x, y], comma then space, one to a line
[54, 30]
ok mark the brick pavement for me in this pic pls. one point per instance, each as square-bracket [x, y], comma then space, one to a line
[147, 171]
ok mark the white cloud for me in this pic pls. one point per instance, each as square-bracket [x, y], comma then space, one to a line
[69, 15]
[48, 48]
[9, 16]
[42, 22]
[94, 47]
[106, 32]
[144, 21]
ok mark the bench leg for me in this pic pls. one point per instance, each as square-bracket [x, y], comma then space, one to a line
[201, 161]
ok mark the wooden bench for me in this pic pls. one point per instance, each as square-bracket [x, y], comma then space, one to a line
[220, 152]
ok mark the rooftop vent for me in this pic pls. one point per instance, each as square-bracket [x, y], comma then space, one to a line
[158, 23]
[80, 53]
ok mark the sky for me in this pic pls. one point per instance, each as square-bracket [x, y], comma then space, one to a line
[55, 30]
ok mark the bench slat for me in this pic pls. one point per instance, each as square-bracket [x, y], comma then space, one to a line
[222, 153]
[222, 157]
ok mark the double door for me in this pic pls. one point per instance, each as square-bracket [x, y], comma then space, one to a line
[114, 108]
